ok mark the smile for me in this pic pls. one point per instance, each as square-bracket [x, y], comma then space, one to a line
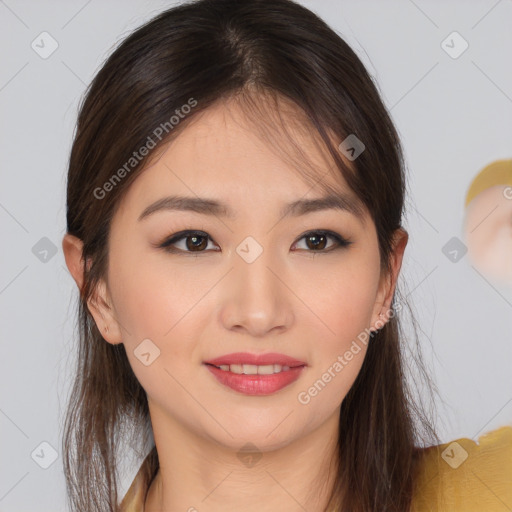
[253, 369]
[251, 379]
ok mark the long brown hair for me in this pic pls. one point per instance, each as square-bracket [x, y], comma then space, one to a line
[158, 79]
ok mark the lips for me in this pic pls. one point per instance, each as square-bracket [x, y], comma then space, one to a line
[242, 358]
[230, 370]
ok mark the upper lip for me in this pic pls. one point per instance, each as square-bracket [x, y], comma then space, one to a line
[257, 359]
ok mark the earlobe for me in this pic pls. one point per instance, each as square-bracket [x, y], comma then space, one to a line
[98, 303]
[100, 306]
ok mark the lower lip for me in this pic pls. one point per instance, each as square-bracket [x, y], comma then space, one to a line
[256, 384]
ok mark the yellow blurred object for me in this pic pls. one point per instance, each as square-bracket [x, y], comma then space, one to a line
[496, 173]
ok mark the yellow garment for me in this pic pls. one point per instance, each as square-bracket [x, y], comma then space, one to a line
[459, 476]
[133, 500]
[481, 483]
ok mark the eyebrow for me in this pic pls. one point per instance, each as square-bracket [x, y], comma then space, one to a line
[297, 208]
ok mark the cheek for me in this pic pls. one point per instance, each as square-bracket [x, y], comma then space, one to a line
[158, 302]
[151, 295]
[342, 294]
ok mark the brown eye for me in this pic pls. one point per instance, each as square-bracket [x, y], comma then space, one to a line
[316, 241]
[190, 241]
[194, 242]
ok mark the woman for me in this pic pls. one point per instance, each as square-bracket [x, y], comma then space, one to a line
[268, 364]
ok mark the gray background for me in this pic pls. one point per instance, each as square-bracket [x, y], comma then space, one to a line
[454, 117]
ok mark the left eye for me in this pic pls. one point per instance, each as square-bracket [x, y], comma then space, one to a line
[197, 241]
[317, 241]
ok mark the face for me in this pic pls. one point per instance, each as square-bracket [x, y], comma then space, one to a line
[251, 281]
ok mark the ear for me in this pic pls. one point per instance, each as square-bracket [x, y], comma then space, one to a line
[388, 280]
[99, 304]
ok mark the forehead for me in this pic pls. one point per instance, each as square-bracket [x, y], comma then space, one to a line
[230, 150]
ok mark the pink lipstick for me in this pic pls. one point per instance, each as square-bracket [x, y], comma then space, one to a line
[255, 374]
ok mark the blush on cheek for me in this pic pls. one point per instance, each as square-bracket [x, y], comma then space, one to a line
[348, 309]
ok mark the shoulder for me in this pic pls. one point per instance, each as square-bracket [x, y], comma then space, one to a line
[133, 500]
[466, 475]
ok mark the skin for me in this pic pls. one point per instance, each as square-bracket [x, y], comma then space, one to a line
[194, 307]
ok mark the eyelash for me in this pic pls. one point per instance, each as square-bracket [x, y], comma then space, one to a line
[340, 242]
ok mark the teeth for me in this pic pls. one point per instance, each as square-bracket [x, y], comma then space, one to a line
[236, 368]
[253, 369]
[250, 369]
[268, 369]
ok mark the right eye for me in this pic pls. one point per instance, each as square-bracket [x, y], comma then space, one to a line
[191, 241]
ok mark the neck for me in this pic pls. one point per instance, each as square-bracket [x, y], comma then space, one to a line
[198, 474]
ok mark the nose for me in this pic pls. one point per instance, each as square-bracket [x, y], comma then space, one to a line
[256, 298]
